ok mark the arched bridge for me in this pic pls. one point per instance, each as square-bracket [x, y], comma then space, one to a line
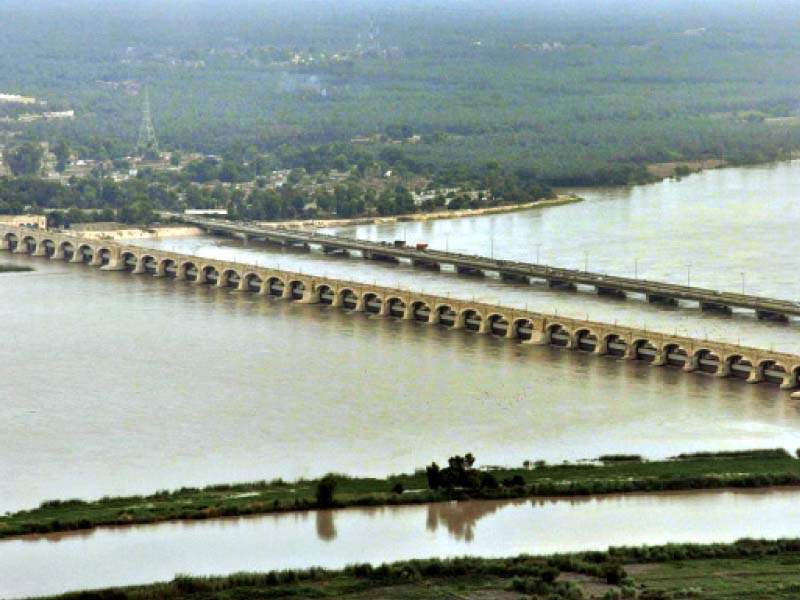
[754, 365]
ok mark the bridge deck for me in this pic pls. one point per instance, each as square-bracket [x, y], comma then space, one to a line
[773, 306]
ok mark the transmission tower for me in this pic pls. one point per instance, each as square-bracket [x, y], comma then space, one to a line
[147, 135]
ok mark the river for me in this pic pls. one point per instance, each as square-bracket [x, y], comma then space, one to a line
[726, 229]
[130, 555]
[115, 383]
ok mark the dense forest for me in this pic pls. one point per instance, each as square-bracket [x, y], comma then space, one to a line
[574, 94]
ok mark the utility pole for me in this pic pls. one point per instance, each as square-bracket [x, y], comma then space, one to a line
[147, 141]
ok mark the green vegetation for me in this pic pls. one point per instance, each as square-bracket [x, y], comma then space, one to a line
[14, 268]
[581, 93]
[460, 481]
[745, 569]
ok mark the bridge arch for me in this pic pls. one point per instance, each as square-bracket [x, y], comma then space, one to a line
[585, 339]
[737, 365]
[188, 271]
[349, 299]
[326, 294]
[49, 247]
[772, 372]
[558, 335]
[522, 329]
[66, 250]
[128, 261]
[445, 315]
[373, 303]
[85, 253]
[676, 355]
[11, 240]
[148, 264]
[28, 244]
[615, 344]
[297, 289]
[229, 278]
[396, 307]
[252, 282]
[276, 286]
[470, 319]
[644, 349]
[420, 311]
[706, 360]
[167, 267]
[209, 274]
[498, 324]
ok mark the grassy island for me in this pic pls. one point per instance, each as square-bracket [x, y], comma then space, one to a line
[14, 268]
[744, 569]
[459, 481]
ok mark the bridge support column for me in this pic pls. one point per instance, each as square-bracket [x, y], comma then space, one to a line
[309, 297]
[76, 257]
[21, 249]
[692, 364]
[242, 287]
[139, 269]
[601, 348]
[40, 250]
[384, 310]
[97, 261]
[287, 292]
[756, 375]
[264, 289]
[58, 254]
[114, 265]
[789, 381]
[659, 360]
[724, 369]
[484, 326]
[408, 314]
[4, 244]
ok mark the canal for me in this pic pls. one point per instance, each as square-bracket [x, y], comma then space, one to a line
[142, 554]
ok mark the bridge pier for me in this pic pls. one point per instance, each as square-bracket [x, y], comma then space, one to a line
[723, 369]
[660, 359]
[789, 381]
[426, 264]
[557, 284]
[40, 250]
[609, 291]
[513, 277]
[715, 307]
[662, 299]
[755, 375]
[768, 315]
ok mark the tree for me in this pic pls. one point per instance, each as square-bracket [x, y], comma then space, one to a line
[324, 492]
[26, 159]
[62, 153]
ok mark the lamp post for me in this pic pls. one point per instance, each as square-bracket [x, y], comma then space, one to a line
[742, 283]
[689, 275]
[538, 247]
[636, 268]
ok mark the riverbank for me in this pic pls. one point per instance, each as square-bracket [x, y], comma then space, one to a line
[614, 474]
[743, 569]
[444, 214]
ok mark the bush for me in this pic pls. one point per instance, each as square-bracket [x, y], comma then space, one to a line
[398, 488]
[324, 492]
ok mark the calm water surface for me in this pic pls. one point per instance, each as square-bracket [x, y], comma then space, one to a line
[115, 384]
[37, 566]
[728, 229]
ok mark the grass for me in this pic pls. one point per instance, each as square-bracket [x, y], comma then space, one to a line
[14, 268]
[745, 569]
[752, 469]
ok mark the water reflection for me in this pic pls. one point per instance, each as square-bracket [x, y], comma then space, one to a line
[123, 556]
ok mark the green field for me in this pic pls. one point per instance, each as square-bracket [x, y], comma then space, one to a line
[747, 569]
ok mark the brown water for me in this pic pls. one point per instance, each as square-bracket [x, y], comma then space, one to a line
[121, 556]
[728, 229]
[113, 383]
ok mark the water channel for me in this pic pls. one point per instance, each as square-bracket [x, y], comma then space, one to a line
[120, 556]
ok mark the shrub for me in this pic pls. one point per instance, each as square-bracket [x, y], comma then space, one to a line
[325, 489]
